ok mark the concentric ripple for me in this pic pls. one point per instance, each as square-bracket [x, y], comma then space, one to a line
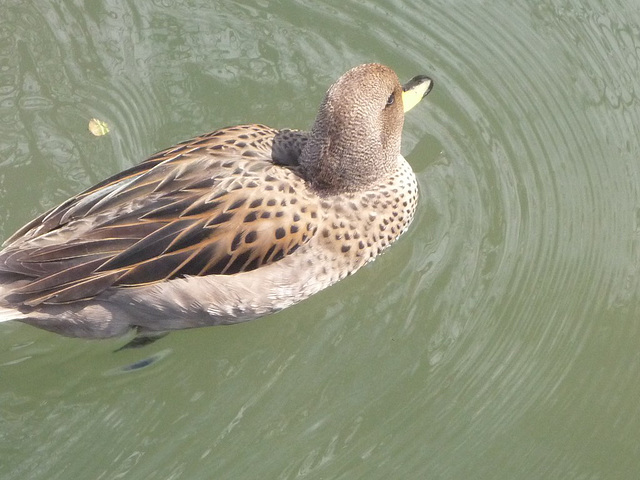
[537, 188]
[497, 339]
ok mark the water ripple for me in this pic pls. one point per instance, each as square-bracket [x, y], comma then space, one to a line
[495, 329]
[542, 209]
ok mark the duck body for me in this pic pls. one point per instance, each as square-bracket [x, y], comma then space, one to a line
[223, 228]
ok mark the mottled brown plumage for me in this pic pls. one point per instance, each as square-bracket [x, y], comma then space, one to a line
[222, 228]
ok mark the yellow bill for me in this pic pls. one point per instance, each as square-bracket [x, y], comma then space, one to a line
[415, 90]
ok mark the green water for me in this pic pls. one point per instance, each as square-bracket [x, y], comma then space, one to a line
[498, 339]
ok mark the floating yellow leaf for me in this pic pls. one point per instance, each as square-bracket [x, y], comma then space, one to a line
[98, 127]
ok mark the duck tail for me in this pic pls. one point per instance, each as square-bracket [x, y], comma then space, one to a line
[7, 314]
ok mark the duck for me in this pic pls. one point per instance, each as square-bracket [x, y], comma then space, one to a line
[226, 227]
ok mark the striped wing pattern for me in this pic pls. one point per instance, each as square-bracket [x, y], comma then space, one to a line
[216, 205]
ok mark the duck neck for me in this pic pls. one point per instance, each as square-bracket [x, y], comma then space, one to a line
[337, 161]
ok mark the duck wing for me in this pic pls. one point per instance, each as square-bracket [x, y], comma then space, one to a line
[216, 205]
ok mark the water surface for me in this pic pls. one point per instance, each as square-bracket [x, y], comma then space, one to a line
[497, 339]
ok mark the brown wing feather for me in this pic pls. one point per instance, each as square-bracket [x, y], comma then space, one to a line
[246, 141]
[194, 209]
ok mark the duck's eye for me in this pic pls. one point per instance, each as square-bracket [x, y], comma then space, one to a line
[391, 99]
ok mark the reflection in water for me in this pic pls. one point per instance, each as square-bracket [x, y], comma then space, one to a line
[498, 337]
